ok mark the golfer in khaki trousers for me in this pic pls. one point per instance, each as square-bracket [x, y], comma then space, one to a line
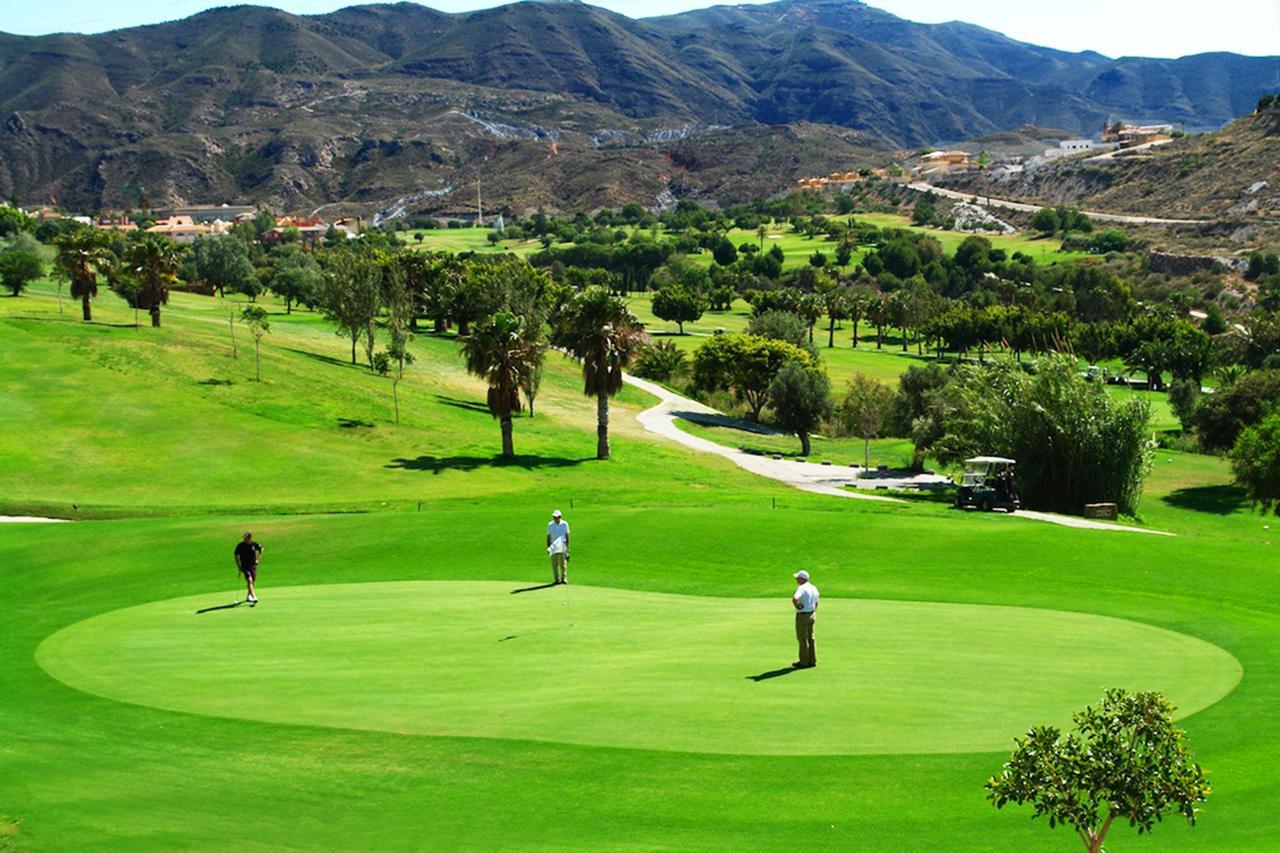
[805, 602]
[558, 547]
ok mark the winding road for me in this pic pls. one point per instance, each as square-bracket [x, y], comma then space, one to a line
[990, 201]
[820, 479]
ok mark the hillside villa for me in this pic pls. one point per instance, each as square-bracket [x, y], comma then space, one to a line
[946, 163]
[1128, 135]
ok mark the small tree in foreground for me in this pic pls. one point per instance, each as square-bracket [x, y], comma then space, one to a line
[255, 317]
[1125, 760]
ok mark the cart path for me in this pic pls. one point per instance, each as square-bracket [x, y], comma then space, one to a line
[822, 479]
[819, 479]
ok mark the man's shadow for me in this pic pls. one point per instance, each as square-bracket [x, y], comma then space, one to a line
[219, 607]
[532, 588]
[773, 673]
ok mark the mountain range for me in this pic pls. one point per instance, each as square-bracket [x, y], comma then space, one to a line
[400, 108]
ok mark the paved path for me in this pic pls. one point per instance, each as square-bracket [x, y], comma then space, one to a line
[921, 186]
[820, 479]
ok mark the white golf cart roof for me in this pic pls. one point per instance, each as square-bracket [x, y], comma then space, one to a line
[987, 460]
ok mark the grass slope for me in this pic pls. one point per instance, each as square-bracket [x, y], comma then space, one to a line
[118, 417]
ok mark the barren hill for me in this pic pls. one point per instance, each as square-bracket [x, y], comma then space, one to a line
[562, 104]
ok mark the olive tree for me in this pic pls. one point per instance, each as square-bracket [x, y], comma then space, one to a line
[1125, 761]
[801, 398]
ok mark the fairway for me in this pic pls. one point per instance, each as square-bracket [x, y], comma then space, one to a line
[637, 670]
[392, 692]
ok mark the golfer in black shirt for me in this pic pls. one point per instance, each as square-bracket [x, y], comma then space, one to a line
[248, 555]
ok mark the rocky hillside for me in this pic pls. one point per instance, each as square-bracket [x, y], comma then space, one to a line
[562, 104]
[1232, 173]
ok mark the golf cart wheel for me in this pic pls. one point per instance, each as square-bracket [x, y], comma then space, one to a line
[985, 504]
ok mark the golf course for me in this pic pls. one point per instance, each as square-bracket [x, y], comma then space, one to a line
[412, 680]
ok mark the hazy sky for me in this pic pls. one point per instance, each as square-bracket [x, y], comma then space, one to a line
[1113, 27]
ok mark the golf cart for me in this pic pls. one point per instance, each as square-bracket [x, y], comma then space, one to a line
[988, 484]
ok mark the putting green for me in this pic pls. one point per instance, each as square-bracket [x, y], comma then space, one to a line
[640, 670]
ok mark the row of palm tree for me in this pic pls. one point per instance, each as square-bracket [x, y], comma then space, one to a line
[144, 275]
[594, 327]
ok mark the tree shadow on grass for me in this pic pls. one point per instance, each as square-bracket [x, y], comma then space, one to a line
[327, 359]
[353, 423]
[773, 673]
[1219, 500]
[467, 405]
[436, 464]
[76, 320]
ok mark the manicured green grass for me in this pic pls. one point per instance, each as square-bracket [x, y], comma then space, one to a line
[622, 672]
[166, 419]
[268, 728]
[467, 240]
[795, 246]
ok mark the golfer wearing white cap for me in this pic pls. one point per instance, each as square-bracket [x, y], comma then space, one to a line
[558, 546]
[805, 601]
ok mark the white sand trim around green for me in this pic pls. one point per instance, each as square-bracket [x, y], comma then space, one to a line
[30, 519]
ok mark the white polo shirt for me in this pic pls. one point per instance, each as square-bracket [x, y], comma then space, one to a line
[807, 596]
[559, 533]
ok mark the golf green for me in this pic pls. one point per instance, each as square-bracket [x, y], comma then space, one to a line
[609, 667]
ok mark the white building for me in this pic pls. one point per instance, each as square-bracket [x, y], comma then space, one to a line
[1067, 147]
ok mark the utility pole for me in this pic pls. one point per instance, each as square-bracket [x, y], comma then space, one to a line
[479, 205]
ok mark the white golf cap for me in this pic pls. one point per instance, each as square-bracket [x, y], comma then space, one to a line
[802, 575]
[556, 514]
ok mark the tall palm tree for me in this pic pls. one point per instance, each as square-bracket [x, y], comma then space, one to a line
[499, 352]
[599, 331]
[82, 256]
[154, 263]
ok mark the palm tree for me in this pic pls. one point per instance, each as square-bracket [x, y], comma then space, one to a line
[83, 254]
[499, 352]
[154, 263]
[599, 331]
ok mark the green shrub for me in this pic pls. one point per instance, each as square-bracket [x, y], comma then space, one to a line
[661, 361]
[1075, 443]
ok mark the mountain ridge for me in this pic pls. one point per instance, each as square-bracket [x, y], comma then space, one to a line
[372, 103]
